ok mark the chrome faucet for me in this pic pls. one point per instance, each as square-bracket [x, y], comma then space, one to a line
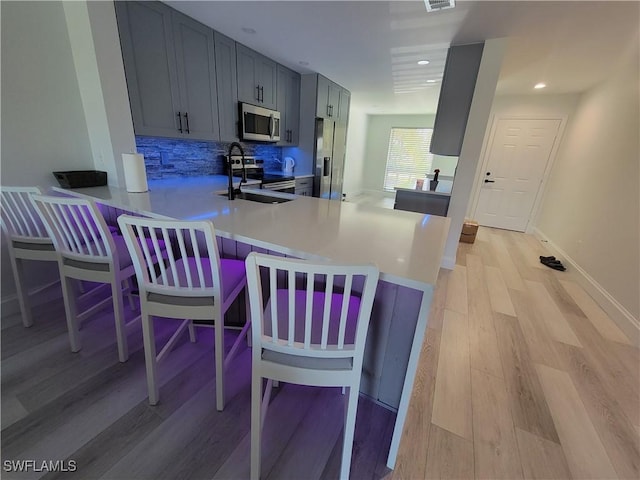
[232, 192]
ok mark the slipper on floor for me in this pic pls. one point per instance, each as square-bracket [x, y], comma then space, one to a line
[557, 266]
[551, 262]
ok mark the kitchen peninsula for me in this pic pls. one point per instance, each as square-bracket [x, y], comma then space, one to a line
[407, 247]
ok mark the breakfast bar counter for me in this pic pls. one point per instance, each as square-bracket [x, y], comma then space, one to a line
[407, 247]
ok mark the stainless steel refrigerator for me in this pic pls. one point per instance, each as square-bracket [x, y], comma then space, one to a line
[330, 141]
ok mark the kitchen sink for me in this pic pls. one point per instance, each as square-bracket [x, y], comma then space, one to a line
[260, 197]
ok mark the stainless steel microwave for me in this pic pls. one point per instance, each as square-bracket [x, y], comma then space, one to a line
[259, 123]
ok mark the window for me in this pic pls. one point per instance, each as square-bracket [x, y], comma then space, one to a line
[408, 157]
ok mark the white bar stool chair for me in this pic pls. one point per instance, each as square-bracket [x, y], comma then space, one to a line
[307, 337]
[195, 285]
[27, 239]
[88, 251]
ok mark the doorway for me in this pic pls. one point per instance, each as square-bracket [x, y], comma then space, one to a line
[516, 163]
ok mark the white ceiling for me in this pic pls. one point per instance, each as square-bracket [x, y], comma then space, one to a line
[372, 47]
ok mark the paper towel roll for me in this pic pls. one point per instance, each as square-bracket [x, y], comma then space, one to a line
[135, 174]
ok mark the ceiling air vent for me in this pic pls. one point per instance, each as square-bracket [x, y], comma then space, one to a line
[433, 5]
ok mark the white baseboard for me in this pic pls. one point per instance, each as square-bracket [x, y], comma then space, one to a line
[448, 263]
[378, 193]
[349, 195]
[618, 313]
[10, 306]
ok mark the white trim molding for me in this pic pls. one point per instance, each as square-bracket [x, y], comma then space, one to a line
[618, 313]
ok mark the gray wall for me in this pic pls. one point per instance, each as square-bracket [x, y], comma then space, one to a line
[43, 123]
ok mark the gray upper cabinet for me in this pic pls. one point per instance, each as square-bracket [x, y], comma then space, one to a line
[288, 104]
[322, 105]
[146, 37]
[456, 94]
[256, 78]
[169, 63]
[343, 110]
[329, 100]
[226, 73]
[196, 78]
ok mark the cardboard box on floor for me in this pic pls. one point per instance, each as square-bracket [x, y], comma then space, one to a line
[469, 231]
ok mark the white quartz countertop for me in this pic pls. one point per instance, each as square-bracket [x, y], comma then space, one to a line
[407, 247]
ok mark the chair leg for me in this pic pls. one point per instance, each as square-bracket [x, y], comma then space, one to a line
[132, 302]
[256, 423]
[218, 333]
[192, 333]
[148, 336]
[71, 313]
[248, 315]
[118, 313]
[349, 430]
[22, 291]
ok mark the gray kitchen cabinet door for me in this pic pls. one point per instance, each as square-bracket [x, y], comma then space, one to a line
[248, 87]
[288, 104]
[343, 110]
[256, 78]
[334, 100]
[195, 58]
[322, 100]
[146, 37]
[267, 73]
[226, 74]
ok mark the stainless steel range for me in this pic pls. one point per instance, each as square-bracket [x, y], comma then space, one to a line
[255, 171]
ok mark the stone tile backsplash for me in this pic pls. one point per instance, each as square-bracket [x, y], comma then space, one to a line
[170, 158]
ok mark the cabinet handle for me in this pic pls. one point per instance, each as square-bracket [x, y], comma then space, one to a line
[489, 181]
[262, 94]
[328, 110]
[258, 92]
[180, 122]
[186, 117]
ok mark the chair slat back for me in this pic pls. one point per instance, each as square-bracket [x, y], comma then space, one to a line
[20, 220]
[313, 309]
[191, 265]
[76, 227]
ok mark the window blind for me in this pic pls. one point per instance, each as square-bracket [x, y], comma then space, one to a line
[408, 158]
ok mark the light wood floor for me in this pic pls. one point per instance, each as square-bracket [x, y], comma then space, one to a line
[89, 408]
[521, 375]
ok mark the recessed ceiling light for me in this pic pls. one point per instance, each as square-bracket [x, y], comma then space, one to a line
[423, 62]
[431, 81]
[539, 85]
[248, 30]
[303, 63]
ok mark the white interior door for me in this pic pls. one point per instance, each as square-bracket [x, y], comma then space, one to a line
[517, 159]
